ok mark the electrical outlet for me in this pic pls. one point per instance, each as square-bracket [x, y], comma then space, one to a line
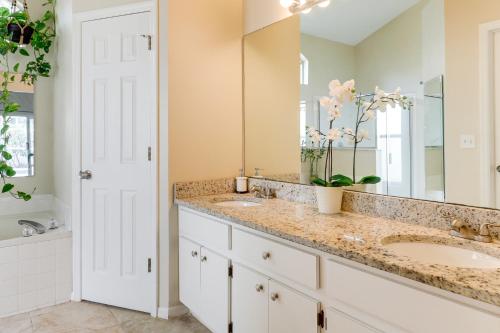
[467, 141]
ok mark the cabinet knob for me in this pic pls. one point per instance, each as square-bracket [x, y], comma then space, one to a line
[274, 297]
[498, 168]
[266, 255]
[194, 254]
[259, 288]
[204, 258]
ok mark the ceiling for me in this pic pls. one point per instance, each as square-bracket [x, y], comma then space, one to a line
[351, 21]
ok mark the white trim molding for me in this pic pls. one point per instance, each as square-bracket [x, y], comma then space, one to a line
[486, 111]
[79, 19]
[172, 312]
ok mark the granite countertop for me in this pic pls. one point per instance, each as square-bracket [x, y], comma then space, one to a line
[361, 239]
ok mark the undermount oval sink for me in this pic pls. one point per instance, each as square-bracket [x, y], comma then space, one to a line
[237, 204]
[440, 254]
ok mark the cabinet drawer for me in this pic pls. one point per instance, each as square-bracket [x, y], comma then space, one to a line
[203, 230]
[397, 304]
[338, 322]
[291, 263]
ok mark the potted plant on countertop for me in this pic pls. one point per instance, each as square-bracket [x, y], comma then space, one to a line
[21, 37]
[329, 191]
[366, 110]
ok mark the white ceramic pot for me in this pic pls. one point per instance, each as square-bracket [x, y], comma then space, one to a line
[359, 187]
[329, 199]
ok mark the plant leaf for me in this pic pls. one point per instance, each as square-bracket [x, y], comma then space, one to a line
[320, 182]
[370, 180]
[7, 187]
[341, 181]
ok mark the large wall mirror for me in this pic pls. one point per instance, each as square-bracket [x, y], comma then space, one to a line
[442, 55]
[22, 129]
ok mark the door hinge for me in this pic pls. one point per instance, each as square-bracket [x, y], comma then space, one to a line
[230, 271]
[321, 319]
[149, 153]
[149, 265]
[230, 328]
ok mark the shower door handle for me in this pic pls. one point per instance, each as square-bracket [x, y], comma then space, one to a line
[86, 174]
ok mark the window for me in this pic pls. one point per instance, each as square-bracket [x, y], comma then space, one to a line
[8, 4]
[303, 124]
[22, 136]
[304, 70]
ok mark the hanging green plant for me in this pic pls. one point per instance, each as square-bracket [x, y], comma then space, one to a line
[21, 37]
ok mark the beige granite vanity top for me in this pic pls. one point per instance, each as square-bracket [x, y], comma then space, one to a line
[359, 238]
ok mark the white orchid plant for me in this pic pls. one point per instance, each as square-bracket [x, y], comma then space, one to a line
[367, 107]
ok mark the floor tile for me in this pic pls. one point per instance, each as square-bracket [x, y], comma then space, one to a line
[16, 324]
[85, 317]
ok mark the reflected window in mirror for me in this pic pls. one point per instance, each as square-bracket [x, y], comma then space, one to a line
[22, 129]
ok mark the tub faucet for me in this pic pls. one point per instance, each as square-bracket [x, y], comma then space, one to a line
[38, 227]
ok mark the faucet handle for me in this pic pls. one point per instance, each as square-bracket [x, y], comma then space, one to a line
[457, 225]
[485, 229]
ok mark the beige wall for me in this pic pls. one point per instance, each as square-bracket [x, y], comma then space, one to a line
[261, 13]
[392, 56]
[327, 61]
[63, 103]
[272, 95]
[463, 18]
[205, 98]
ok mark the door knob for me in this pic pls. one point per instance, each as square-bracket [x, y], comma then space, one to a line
[85, 174]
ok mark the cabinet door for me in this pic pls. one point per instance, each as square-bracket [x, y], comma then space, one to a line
[249, 301]
[214, 291]
[338, 322]
[189, 274]
[290, 311]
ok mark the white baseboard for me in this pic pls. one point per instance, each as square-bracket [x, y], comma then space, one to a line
[173, 311]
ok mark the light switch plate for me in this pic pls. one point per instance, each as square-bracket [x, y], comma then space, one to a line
[467, 141]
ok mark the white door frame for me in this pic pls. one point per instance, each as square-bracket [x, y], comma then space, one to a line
[79, 19]
[486, 110]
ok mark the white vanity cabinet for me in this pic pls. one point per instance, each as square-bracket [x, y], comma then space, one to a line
[204, 286]
[392, 306]
[239, 280]
[260, 304]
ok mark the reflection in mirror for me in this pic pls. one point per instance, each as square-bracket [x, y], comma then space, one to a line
[22, 129]
[288, 69]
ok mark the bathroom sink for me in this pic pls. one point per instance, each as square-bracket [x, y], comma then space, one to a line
[440, 254]
[237, 204]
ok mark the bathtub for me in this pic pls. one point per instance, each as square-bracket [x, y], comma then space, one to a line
[35, 271]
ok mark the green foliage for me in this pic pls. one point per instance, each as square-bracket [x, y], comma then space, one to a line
[36, 65]
[335, 181]
[370, 180]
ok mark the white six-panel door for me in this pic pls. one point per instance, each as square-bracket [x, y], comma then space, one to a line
[117, 76]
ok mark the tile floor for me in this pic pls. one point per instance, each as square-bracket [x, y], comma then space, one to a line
[87, 317]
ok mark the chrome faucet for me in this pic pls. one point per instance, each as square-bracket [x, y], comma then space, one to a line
[38, 227]
[263, 192]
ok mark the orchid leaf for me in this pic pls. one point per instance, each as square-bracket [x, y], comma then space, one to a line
[370, 180]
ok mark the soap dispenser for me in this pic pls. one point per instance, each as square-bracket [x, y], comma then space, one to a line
[242, 183]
